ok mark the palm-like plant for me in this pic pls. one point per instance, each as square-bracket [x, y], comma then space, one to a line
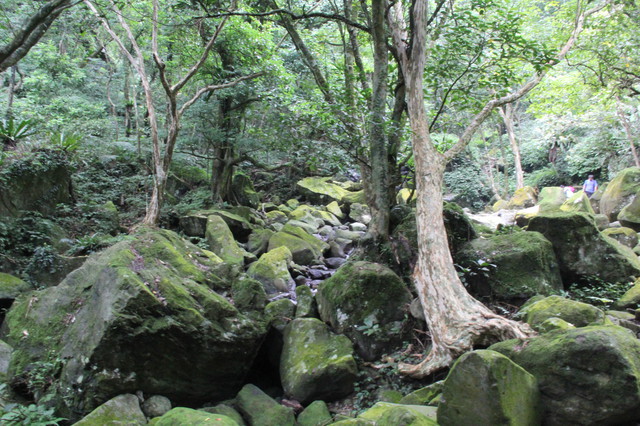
[11, 132]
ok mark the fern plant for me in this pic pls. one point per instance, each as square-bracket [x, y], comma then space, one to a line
[11, 132]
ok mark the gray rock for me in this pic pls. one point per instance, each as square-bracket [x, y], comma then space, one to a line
[156, 406]
[123, 409]
[262, 410]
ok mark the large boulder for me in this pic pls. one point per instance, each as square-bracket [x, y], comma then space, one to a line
[221, 241]
[551, 198]
[576, 313]
[487, 388]
[272, 270]
[582, 250]
[305, 249]
[625, 236]
[630, 214]
[366, 302]
[142, 315]
[620, 192]
[586, 376]
[630, 299]
[523, 198]
[123, 410]
[524, 265]
[11, 287]
[262, 410]
[315, 363]
[386, 413]
[578, 202]
[182, 416]
[243, 191]
[37, 183]
[321, 190]
[239, 219]
[315, 414]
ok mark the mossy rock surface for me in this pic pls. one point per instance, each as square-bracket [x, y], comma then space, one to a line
[11, 287]
[487, 388]
[272, 270]
[334, 208]
[306, 306]
[423, 396]
[523, 198]
[279, 313]
[262, 410]
[243, 191]
[582, 250]
[551, 198]
[222, 243]
[315, 363]
[500, 205]
[587, 376]
[630, 215]
[182, 416]
[248, 294]
[321, 190]
[39, 186]
[631, 298]
[226, 410]
[386, 413]
[121, 410]
[258, 242]
[315, 414]
[305, 249]
[525, 265]
[152, 299]
[576, 313]
[620, 192]
[238, 219]
[366, 302]
[578, 202]
[625, 236]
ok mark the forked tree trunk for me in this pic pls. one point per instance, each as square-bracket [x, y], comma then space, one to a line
[457, 322]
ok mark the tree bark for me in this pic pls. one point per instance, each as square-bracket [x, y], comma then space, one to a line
[627, 131]
[507, 113]
[31, 32]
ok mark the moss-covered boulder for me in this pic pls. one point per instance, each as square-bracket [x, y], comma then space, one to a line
[272, 270]
[315, 414]
[586, 376]
[37, 183]
[425, 395]
[578, 202]
[279, 313]
[630, 215]
[582, 250]
[500, 205]
[314, 216]
[315, 363]
[239, 219]
[226, 410]
[258, 242]
[182, 416]
[631, 298]
[156, 406]
[523, 198]
[625, 236]
[334, 208]
[11, 287]
[576, 313]
[262, 410]
[551, 198]
[5, 359]
[321, 190]
[360, 213]
[248, 294]
[620, 192]
[121, 410]
[305, 249]
[524, 265]
[366, 302]
[221, 241]
[153, 299]
[243, 191]
[487, 388]
[386, 413]
[306, 306]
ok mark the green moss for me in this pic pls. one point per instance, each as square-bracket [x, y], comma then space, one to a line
[631, 299]
[365, 301]
[11, 287]
[578, 202]
[424, 395]
[576, 313]
[406, 196]
[315, 363]
[226, 410]
[619, 192]
[261, 410]
[221, 241]
[305, 249]
[623, 235]
[523, 198]
[279, 313]
[248, 293]
[272, 270]
[386, 413]
[630, 215]
[551, 198]
[319, 188]
[123, 409]
[315, 414]
[181, 416]
[335, 210]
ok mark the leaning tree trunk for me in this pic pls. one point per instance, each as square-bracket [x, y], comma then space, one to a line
[507, 112]
[628, 132]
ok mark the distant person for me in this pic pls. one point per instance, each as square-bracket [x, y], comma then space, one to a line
[590, 186]
[568, 190]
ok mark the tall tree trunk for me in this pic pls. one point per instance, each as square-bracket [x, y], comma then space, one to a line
[507, 113]
[380, 207]
[627, 131]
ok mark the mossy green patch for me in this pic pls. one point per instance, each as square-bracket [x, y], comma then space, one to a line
[386, 413]
[423, 396]
[551, 198]
[272, 270]
[182, 416]
[123, 409]
[631, 299]
[367, 302]
[578, 202]
[222, 243]
[315, 414]
[261, 410]
[619, 192]
[523, 198]
[305, 249]
[576, 313]
[11, 287]
[623, 235]
[315, 363]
